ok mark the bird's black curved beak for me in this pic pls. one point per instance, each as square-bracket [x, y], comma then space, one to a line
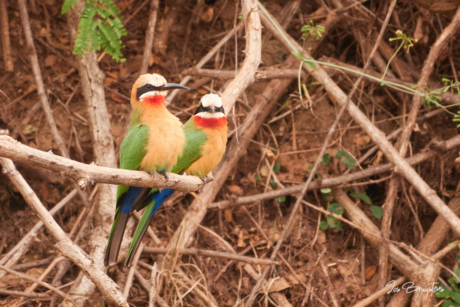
[173, 86]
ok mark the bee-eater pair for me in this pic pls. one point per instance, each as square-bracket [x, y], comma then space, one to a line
[158, 142]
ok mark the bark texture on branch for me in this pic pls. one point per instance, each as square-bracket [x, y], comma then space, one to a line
[92, 81]
[85, 174]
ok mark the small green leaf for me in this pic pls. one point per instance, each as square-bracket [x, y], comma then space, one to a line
[335, 208]
[377, 211]
[327, 197]
[240, 16]
[309, 169]
[346, 159]
[449, 303]
[298, 54]
[446, 80]
[454, 283]
[455, 295]
[323, 226]
[333, 223]
[258, 177]
[326, 159]
[29, 129]
[326, 190]
[363, 197]
[281, 199]
[276, 167]
[309, 64]
[274, 185]
[445, 293]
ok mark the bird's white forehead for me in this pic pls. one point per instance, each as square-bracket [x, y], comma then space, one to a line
[211, 99]
[153, 79]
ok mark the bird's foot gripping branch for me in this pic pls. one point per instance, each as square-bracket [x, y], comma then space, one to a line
[84, 174]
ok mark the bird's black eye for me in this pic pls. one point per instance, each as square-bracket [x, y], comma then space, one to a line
[148, 86]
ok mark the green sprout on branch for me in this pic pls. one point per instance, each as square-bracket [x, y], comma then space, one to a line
[406, 42]
[316, 32]
[99, 27]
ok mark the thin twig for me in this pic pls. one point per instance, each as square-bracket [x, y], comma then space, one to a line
[41, 283]
[208, 253]
[204, 60]
[129, 279]
[335, 181]
[5, 36]
[149, 36]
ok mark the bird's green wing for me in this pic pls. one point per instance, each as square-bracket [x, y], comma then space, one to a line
[193, 147]
[132, 151]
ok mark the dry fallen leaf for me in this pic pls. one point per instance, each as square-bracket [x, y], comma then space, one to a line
[235, 189]
[50, 60]
[370, 272]
[378, 158]
[264, 170]
[277, 285]
[117, 98]
[207, 16]
[298, 277]
[241, 239]
[228, 215]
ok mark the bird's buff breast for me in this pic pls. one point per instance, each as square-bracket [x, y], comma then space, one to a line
[212, 151]
[166, 140]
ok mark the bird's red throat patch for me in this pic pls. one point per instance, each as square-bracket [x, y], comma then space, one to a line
[154, 100]
[210, 122]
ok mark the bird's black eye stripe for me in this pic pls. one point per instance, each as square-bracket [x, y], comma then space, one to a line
[208, 109]
[201, 109]
[145, 89]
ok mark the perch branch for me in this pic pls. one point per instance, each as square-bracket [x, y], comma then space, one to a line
[84, 174]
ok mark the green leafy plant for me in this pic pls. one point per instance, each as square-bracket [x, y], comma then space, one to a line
[406, 42]
[376, 210]
[346, 159]
[452, 296]
[332, 221]
[315, 32]
[99, 27]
